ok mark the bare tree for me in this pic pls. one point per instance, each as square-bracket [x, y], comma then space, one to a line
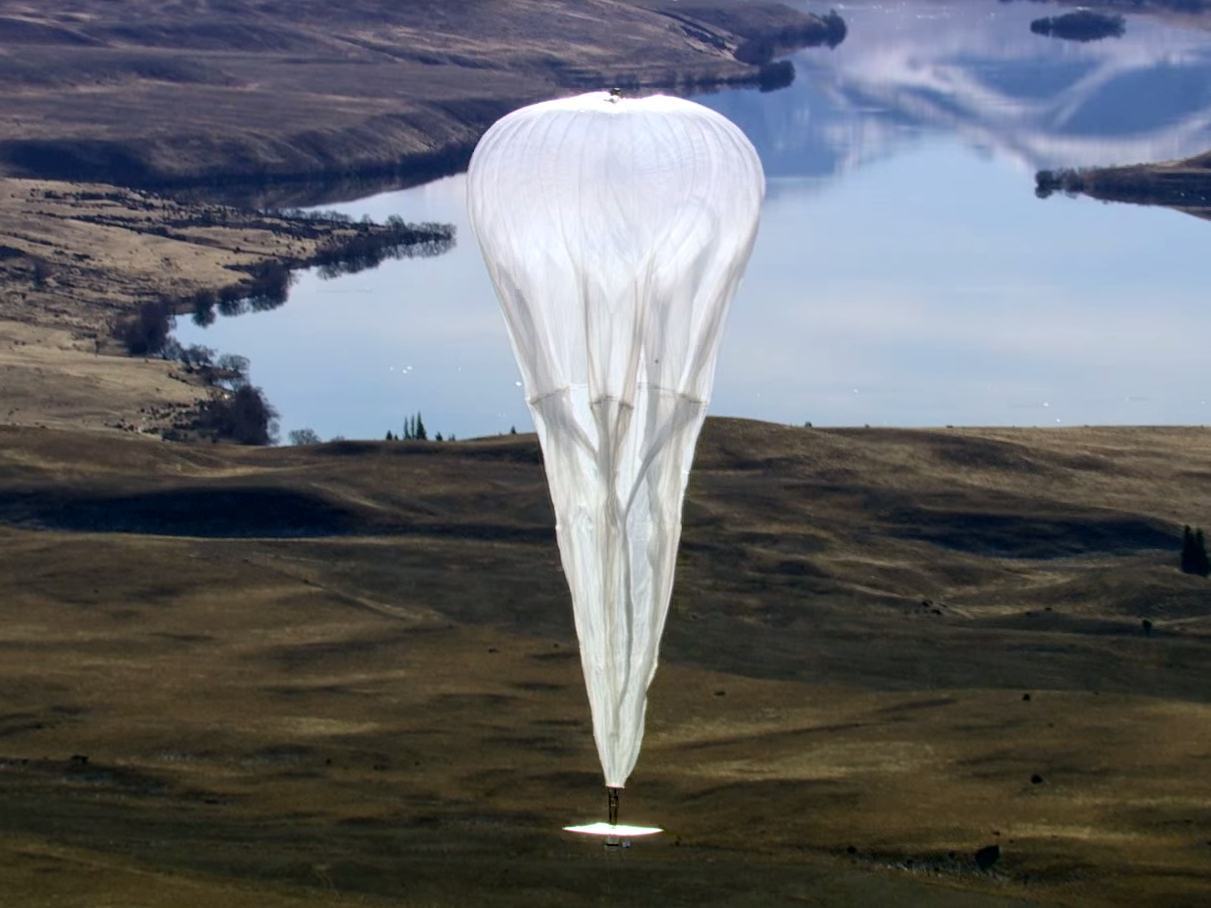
[305, 437]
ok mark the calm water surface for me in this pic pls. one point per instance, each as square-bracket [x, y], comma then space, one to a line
[905, 273]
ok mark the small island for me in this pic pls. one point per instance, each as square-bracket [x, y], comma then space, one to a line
[1081, 25]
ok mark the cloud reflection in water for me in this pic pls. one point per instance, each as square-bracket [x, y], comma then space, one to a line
[902, 253]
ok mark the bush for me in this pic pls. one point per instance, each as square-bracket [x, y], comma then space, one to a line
[231, 300]
[1194, 553]
[1082, 25]
[836, 29]
[305, 437]
[270, 286]
[204, 302]
[147, 332]
[43, 272]
[773, 76]
[244, 416]
[401, 240]
[197, 356]
[231, 370]
[1068, 181]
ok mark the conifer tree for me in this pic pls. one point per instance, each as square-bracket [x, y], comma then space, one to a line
[1202, 563]
[421, 434]
[1194, 553]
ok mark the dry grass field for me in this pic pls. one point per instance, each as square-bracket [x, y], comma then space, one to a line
[347, 675]
[152, 92]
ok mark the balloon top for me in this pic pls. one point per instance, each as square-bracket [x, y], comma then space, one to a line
[614, 102]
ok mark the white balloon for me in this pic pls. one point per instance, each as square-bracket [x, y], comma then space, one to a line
[616, 232]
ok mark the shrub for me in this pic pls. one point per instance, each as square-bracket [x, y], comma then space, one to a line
[197, 356]
[1194, 553]
[270, 286]
[231, 299]
[204, 302]
[232, 370]
[1082, 25]
[146, 333]
[244, 416]
[305, 437]
[43, 272]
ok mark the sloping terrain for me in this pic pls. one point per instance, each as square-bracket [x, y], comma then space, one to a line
[347, 673]
[146, 92]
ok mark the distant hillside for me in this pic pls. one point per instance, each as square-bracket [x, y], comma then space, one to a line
[148, 92]
[795, 539]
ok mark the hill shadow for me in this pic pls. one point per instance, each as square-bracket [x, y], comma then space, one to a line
[1042, 538]
[240, 512]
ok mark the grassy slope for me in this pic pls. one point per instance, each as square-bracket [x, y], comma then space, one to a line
[377, 695]
[149, 91]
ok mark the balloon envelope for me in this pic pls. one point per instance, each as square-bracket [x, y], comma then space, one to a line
[615, 232]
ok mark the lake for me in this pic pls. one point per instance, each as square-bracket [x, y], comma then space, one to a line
[905, 273]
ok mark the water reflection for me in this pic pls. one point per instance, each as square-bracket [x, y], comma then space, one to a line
[905, 274]
[1081, 25]
[975, 70]
[402, 241]
[341, 256]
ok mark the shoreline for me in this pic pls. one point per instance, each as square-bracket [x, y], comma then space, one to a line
[1183, 185]
[124, 124]
[78, 261]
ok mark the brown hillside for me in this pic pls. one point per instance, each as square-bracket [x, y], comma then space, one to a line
[150, 92]
[347, 674]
